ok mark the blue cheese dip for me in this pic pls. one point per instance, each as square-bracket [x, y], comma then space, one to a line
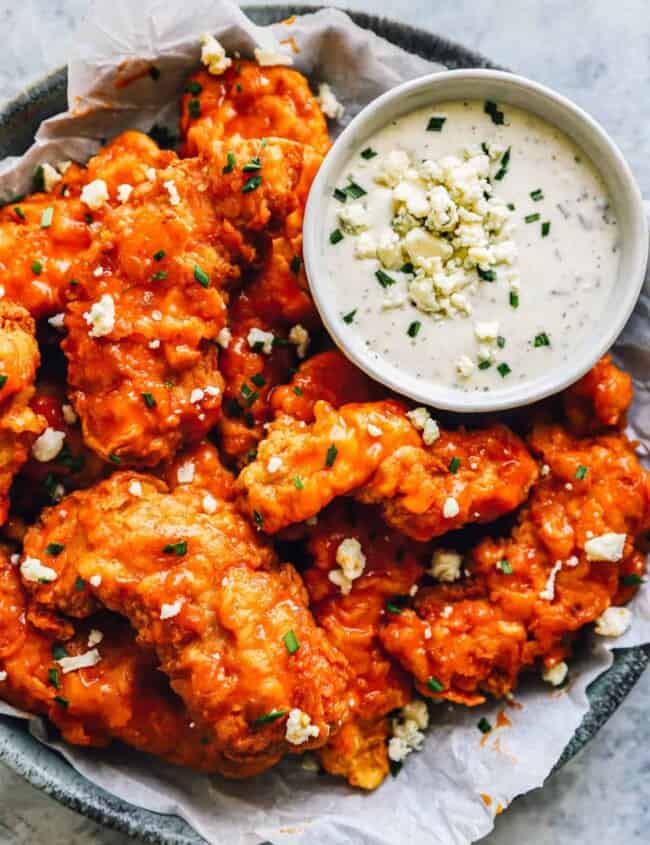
[471, 245]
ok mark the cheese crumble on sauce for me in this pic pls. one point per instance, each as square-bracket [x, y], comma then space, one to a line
[470, 245]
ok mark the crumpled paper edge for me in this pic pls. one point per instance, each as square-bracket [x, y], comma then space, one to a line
[437, 797]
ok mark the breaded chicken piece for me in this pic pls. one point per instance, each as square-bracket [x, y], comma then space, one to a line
[328, 376]
[142, 361]
[599, 400]
[122, 696]
[254, 102]
[530, 593]
[351, 612]
[42, 235]
[230, 625]
[19, 424]
[372, 451]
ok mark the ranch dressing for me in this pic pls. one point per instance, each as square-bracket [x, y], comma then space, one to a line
[548, 229]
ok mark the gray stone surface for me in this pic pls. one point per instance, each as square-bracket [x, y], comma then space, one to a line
[598, 53]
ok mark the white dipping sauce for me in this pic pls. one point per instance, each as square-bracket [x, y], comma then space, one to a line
[552, 276]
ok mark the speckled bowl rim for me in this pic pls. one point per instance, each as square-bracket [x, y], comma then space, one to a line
[48, 771]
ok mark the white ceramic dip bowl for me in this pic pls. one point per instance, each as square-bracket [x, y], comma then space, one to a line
[506, 90]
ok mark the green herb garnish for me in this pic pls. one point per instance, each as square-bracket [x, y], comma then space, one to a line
[581, 472]
[484, 726]
[37, 268]
[504, 566]
[54, 549]
[384, 279]
[46, 217]
[495, 113]
[368, 153]
[486, 275]
[541, 340]
[340, 195]
[514, 299]
[295, 265]
[454, 465]
[532, 218]
[414, 328]
[159, 276]
[336, 236]
[258, 380]
[194, 87]
[228, 168]
[354, 191]
[158, 256]
[259, 519]
[297, 483]
[546, 228]
[537, 195]
[194, 108]
[332, 452]
[201, 276]
[79, 585]
[178, 549]
[291, 642]
[53, 678]
[272, 716]
[435, 124]
[252, 165]
[504, 370]
[435, 685]
[252, 184]
[349, 317]
[149, 400]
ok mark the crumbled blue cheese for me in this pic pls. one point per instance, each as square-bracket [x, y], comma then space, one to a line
[352, 562]
[95, 194]
[451, 508]
[80, 661]
[354, 218]
[69, 414]
[94, 637]
[299, 337]
[421, 419]
[407, 729]
[124, 191]
[168, 611]
[256, 336]
[57, 321]
[185, 473]
[3, 676]
[556, 675]
[213, 55]
[613, 622]
[328, 103]
[209, 504]
[33, 570]
[271, 58]
[299, 728]
[135, 488]
[446, 565]
[101, 316]
[172, 191]
[224, 337]
[607, 547]
[48, 445]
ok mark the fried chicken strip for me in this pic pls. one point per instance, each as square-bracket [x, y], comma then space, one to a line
[530, 593]
[599, 400]
[229, 624]
[372, 451]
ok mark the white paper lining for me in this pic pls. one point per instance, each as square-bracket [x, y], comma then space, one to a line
[449, 792]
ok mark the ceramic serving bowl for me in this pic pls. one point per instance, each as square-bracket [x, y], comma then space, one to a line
[45, 768]
[505, 89]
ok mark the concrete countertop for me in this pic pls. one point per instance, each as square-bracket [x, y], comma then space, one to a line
[599, 55]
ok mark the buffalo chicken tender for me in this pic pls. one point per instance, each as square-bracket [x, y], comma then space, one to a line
[229, 624]
[20, 426]
[150, 304]
[373, 452]
[254, 102]
[599, 400]
[97, 686]
[565, 563]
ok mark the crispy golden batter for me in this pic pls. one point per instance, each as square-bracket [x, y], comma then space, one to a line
[600, 399]
[210, 598]
[372, 451]
[19, 424]
[252, 101]
[476, 636]
[358, 753]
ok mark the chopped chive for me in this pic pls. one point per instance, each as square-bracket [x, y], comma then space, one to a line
[228, 168]
[486, 275]
[38, 180]
[484, 726]
[484, 365]
[194, 108]
[194, 87]
[37, 268]
[295, 265]
[259, 519]
[503, 369]
[537, 195]
[54, 549]
[59, 651]
[46, 217]
[297, 483]
[336, 236]
[258, 380]
[391, 607]
[384, 279]
[435, 124]
[332, 452]
[503, 169]
[19, 212]
[201, 276]
[3, 381]
[395, 767]
[532, 218]
[291, 642]
[238, 88]
[546, 228]
[435, 685]
[581, 472]
[407, 268]
[541, 340]
[340, 195]
[501, 341]
[354, 191]
[252, 398]
[53, 678]
[414, 328]
[514, 299]
[511, 206]
[178, 549]
[252, 184]
[154, 73]
[158, 256]
[454, 465]
[159, 276]
[249, 420]
[149, 400]
[631, 580]
[79, 585]
[298, 391]
[115, 458]
[272, 716]
[252, 165]
[245, 391]
[368, 153]
[349, 317]
[88, 218]
[62, 701]
[495, 113]
[504, 566]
